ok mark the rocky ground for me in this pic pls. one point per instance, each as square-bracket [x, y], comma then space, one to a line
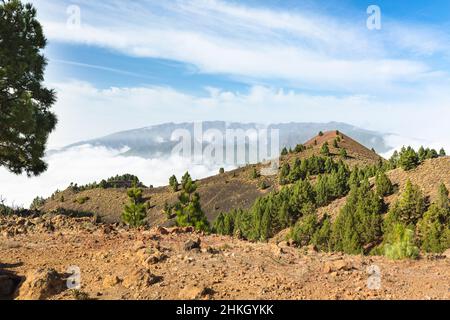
[36, 255]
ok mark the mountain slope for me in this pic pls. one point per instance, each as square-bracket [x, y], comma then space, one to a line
[428, 176]
[156, 141]
[220, 193]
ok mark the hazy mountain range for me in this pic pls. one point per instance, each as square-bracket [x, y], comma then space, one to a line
[156, 141]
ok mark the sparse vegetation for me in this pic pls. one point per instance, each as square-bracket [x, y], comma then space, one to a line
[299, 148]
[80, 295]
[255, 174]
[82, 200]
[4, 209]
[124, 181]
[37, 203]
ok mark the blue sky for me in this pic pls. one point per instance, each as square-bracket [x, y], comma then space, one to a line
[131, 64]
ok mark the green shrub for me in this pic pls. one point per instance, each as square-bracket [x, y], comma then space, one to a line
[263, 185]
[400, 243]
[254, 174]
[81, 200]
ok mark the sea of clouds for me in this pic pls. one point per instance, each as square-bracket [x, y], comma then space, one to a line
[86, 164]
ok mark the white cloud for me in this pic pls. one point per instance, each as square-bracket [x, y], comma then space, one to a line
[86, 164]
[301, 48]
[85, 111]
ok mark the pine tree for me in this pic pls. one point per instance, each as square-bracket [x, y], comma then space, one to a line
[323, 192]
[134, 212]
[284, 174]
[25, 117]
[394, 160]
[359, 223]
[325, 150]
[335, 143]
[442, 152]
[299, 148]
[173, 182]
[422, 154]
[304, 230]
[383, 185]
[434, 227]
[188, 210]
[409, 208]
[408, 159]
[321, 238]
[284, 152]
[431, 154]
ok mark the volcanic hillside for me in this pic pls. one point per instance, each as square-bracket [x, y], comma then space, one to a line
[428, 176]
[219, 193]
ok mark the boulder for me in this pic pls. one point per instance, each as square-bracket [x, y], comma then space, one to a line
[111, 281]
[192, 244]
[140, 278]
[8, 284]
[155, 258]
[41, 284]
[338, 265]
[195, 292]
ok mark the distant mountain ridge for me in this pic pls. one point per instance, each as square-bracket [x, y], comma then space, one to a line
[155, 141]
